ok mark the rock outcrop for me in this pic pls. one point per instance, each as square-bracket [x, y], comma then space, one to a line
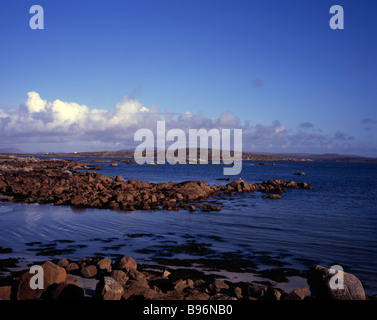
[58, 182]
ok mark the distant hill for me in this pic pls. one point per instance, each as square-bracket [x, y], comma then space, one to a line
[246, 156]
[332, 157]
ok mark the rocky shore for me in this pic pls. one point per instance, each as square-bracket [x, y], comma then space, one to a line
[123, 279]
[61, 182]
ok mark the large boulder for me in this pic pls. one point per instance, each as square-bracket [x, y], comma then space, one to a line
[109, 289]
[321, 282]
[89, 271]
[104, 264]
[52, 274]
[24, 291]
[127, 263]
[72, 267]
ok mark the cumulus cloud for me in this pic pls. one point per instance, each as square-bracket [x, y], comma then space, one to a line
[227, 120]
[41, 118]
[42, 121]
[66, 125]
[3, 114]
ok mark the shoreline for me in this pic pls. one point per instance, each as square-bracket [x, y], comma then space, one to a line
[145, 281]
[101, 278]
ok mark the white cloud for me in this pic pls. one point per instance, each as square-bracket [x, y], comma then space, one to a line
[34, 103]
[66, 124]
[228, 120]
[3, 114]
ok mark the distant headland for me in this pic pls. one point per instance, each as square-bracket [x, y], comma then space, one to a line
[246, 156]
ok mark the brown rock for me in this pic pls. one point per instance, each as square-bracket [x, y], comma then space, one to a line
[304, 185]
[24, 291]
[320, 280]
[72, 280]
[218, 285]
[135, 275]
[127, 263]
[72, 267]
[89, 271]
[190, 283]
[63, 263]
[291, 184]
[238, 292]
[166, 274]
[120, 276]
[298, 294]
[53, 273]
[120, 198]
[272, 196]
[78, 201]
[137, 289]
[180, 285]
[114, 205]
[104, 264]
[194, 294]
[109, 289]
[5, 293]
[191, 208]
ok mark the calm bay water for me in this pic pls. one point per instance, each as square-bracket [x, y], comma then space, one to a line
[335, 223]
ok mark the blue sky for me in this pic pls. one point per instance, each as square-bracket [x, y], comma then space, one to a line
[273, 68]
